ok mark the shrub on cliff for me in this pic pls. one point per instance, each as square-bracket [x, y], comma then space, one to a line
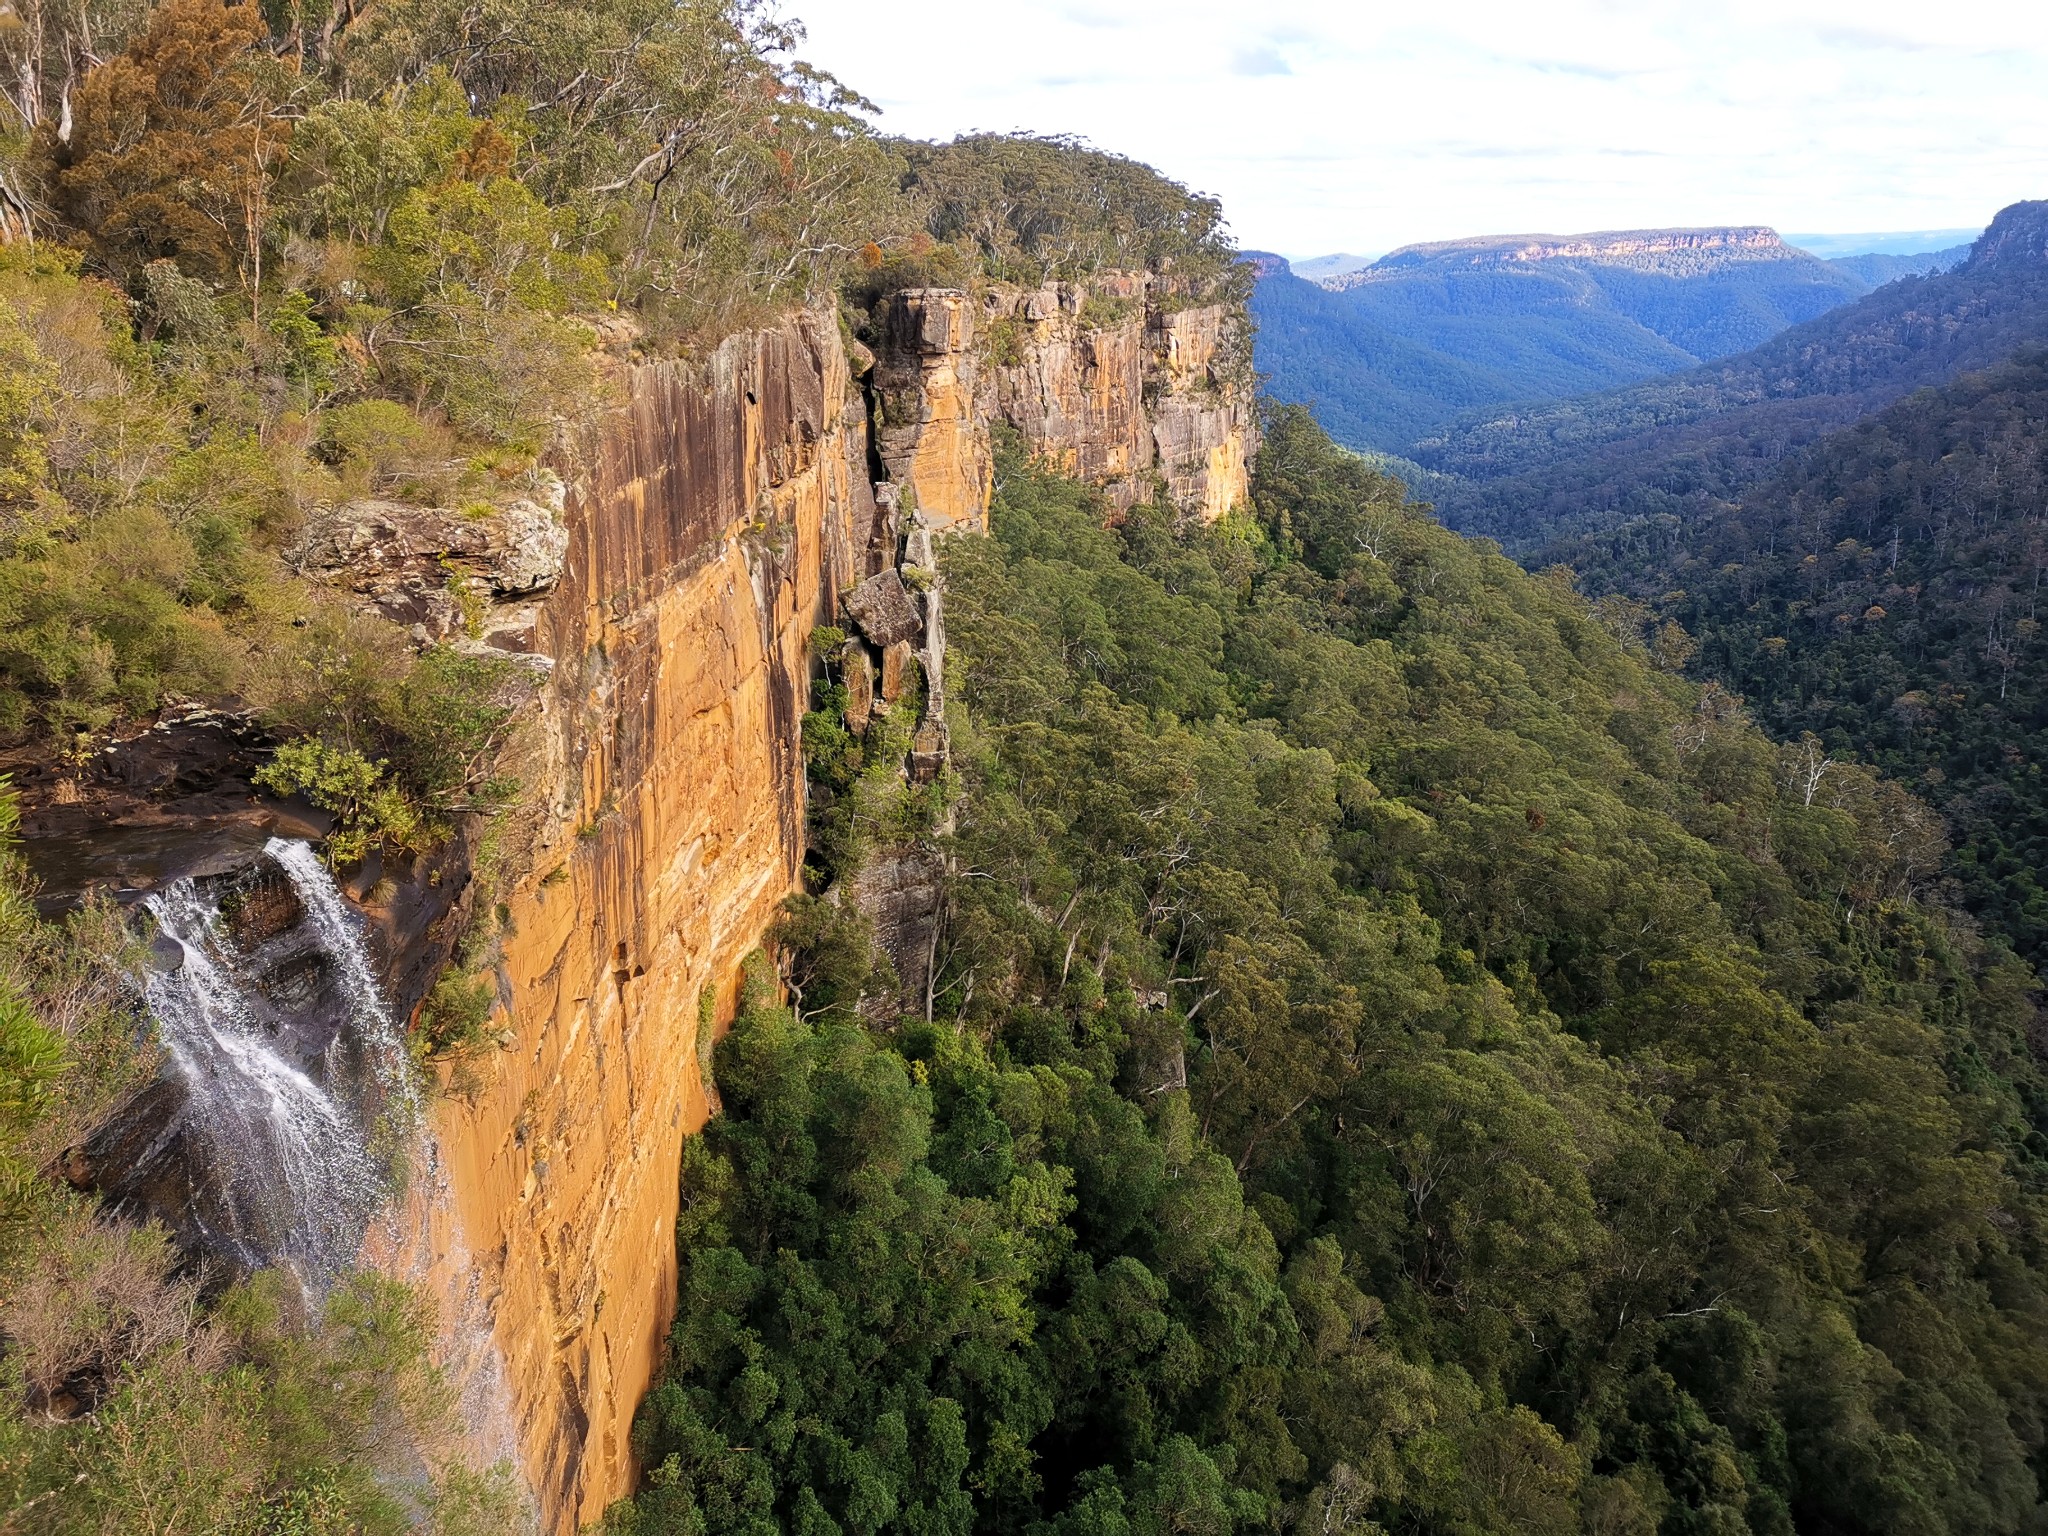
[1040, 207]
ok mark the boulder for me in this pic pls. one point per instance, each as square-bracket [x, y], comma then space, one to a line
[430, 568]
[881, 606]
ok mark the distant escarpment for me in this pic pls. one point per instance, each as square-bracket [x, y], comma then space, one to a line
[1390, 354]
[1675, 446]
[1675, 252]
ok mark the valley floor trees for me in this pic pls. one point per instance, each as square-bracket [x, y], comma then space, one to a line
[1401, 1059]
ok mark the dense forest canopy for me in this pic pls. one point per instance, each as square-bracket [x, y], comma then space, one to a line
[1401, 1059]
[254, 260]
[1882, 589]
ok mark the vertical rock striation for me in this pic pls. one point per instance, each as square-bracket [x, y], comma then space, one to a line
[660, 598]
[1128, 380]
[711, 523]
[718, 516]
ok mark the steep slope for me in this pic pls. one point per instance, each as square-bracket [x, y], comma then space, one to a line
[1399, 1059]
[1379, 378]
[1390, 352]
[1882, 588]
[1880, 267]
[1583, 464]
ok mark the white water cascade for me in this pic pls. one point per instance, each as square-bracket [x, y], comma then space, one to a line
[302, 1140]
[297, 1084]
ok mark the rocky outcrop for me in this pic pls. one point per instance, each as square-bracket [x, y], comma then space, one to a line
[1127, 380]
[2018, 234]
[931, 426]
[711, 522]
[444, 574]
[664, 581]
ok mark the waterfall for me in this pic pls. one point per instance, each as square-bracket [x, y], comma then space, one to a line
[301, 1140]
[292, 1068]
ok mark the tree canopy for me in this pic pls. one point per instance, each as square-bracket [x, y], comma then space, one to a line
[1400, 1058]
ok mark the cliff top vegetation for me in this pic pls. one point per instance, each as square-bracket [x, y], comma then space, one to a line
[256, 262]
[279, 263]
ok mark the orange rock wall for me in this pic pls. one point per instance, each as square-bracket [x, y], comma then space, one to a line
[1118, 380]
[713, 520]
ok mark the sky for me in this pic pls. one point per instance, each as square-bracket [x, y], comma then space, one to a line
[1365, 125]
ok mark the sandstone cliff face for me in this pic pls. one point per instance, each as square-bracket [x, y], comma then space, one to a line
[659, 595]
[1121, 380]
[711, 524]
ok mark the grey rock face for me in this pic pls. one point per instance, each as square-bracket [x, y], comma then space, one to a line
[432, 568]
[881, 606]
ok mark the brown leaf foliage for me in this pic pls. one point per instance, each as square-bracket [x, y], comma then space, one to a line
[171, 141]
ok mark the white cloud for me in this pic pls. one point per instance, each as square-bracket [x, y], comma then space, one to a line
[1367, 125]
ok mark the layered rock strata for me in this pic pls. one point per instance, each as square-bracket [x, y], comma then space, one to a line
[711, 524]
[1126, 380]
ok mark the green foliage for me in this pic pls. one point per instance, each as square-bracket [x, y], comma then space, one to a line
[455, 1018]
[379, 446]
[728, 178]
[1037, 207]
[1402, 1060]
[436, 721]
[368, 808]
[478, 276]
[353, 162]
[113, 574]
[1879, 590]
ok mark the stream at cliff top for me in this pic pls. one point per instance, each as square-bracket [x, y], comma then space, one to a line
[297, 1086]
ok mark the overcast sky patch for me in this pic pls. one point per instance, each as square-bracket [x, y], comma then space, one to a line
[1368, 125]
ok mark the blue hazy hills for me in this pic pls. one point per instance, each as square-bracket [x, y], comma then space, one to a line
[1388, 352]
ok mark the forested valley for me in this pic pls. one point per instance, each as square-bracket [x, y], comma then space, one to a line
[1402, 1059]
[1400, 1054]
[1860, 568]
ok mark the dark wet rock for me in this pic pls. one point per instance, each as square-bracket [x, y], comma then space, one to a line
[176, 797]
[899, 889]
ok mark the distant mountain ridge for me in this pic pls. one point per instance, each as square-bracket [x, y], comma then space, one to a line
[1679, 252]
[1880, 267]
[1571, 468]
[1394, 352]
[1319, 269]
